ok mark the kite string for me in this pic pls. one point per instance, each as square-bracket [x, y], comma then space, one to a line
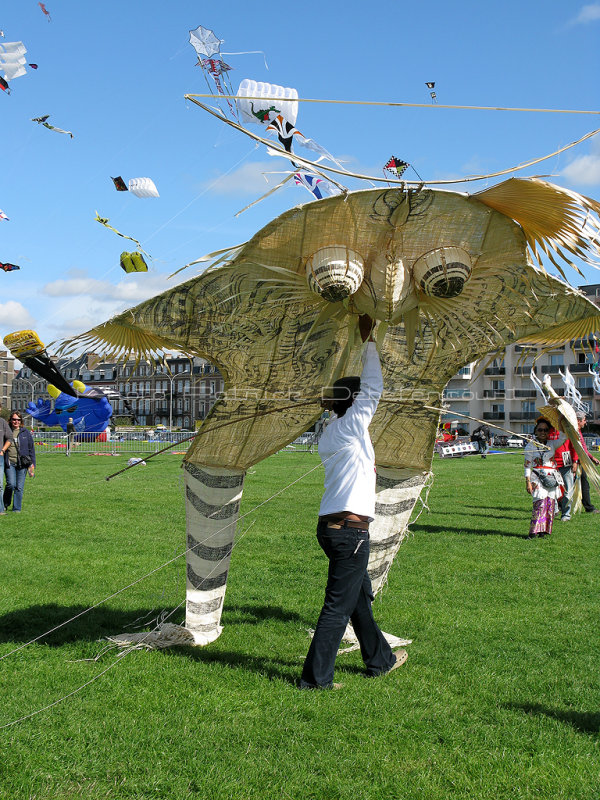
[202, 193]
[156, 569]
[118, 660]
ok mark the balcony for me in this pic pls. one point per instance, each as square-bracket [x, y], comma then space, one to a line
[525, 393]
[498, 394]
[523, 415]
[586, 391]
[524, 370]
[552, 369]
[583, 344]
[580, 368]
[491, 415]
[495, 371]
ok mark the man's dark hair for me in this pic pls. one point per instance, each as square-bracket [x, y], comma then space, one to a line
[344, 392]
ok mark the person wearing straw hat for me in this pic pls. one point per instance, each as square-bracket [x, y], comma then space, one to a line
[347, 507]
[543, 481]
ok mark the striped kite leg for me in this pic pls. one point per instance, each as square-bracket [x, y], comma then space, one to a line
[212, 500]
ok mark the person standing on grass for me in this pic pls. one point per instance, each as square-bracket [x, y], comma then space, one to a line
[566, 460]
[6, 439]
[482, 437]
[585, 484]
[543, 481]
[70, 435]
[19, 462]
[347, 507]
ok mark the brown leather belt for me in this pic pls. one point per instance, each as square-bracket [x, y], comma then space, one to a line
[344, 522]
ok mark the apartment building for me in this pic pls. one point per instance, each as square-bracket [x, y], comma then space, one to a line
[7, 374]
[175, 395]
[502, 393]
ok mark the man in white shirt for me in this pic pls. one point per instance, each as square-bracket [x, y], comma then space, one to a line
[347, 507]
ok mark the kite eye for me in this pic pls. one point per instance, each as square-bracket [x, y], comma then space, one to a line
[52, 391]
[442, 272]
[334, 272]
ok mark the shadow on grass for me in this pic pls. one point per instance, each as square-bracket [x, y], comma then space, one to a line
[255, 615]
[470, 531]
[483, 511]
[583, 721]
[25, 624]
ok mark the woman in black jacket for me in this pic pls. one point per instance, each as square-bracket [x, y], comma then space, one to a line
[19, 460]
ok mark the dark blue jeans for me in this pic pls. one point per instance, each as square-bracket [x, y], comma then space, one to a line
[15, 483]
[348, 596]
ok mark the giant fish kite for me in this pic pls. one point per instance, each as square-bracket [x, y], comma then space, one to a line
[89, 409]
[448, 277]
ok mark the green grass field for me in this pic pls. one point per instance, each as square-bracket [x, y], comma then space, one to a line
[500, 697]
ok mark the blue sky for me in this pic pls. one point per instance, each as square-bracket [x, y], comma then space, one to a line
[114, 72]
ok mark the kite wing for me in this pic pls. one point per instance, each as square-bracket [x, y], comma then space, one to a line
[104, 221]
[280, 320]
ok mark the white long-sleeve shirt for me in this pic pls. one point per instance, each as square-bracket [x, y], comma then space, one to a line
[346, 450]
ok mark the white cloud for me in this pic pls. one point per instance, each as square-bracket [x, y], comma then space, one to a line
[589, 13]
[130, 290]
[249, 178]
[15, 316]
[585, 170]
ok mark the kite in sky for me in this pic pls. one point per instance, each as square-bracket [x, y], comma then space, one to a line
[396, 167]
[2, 215]
[104, 221]
[133, 262]
[140, 187]
[319, 187]
[44, 121]
[204, 42]
[9, 267]
[12, 60]
[448, 277]
[4, 85]
[120, 184]
[433, 95]
[277, 108]
[207, 47]
[45, 10]
[28, 348]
